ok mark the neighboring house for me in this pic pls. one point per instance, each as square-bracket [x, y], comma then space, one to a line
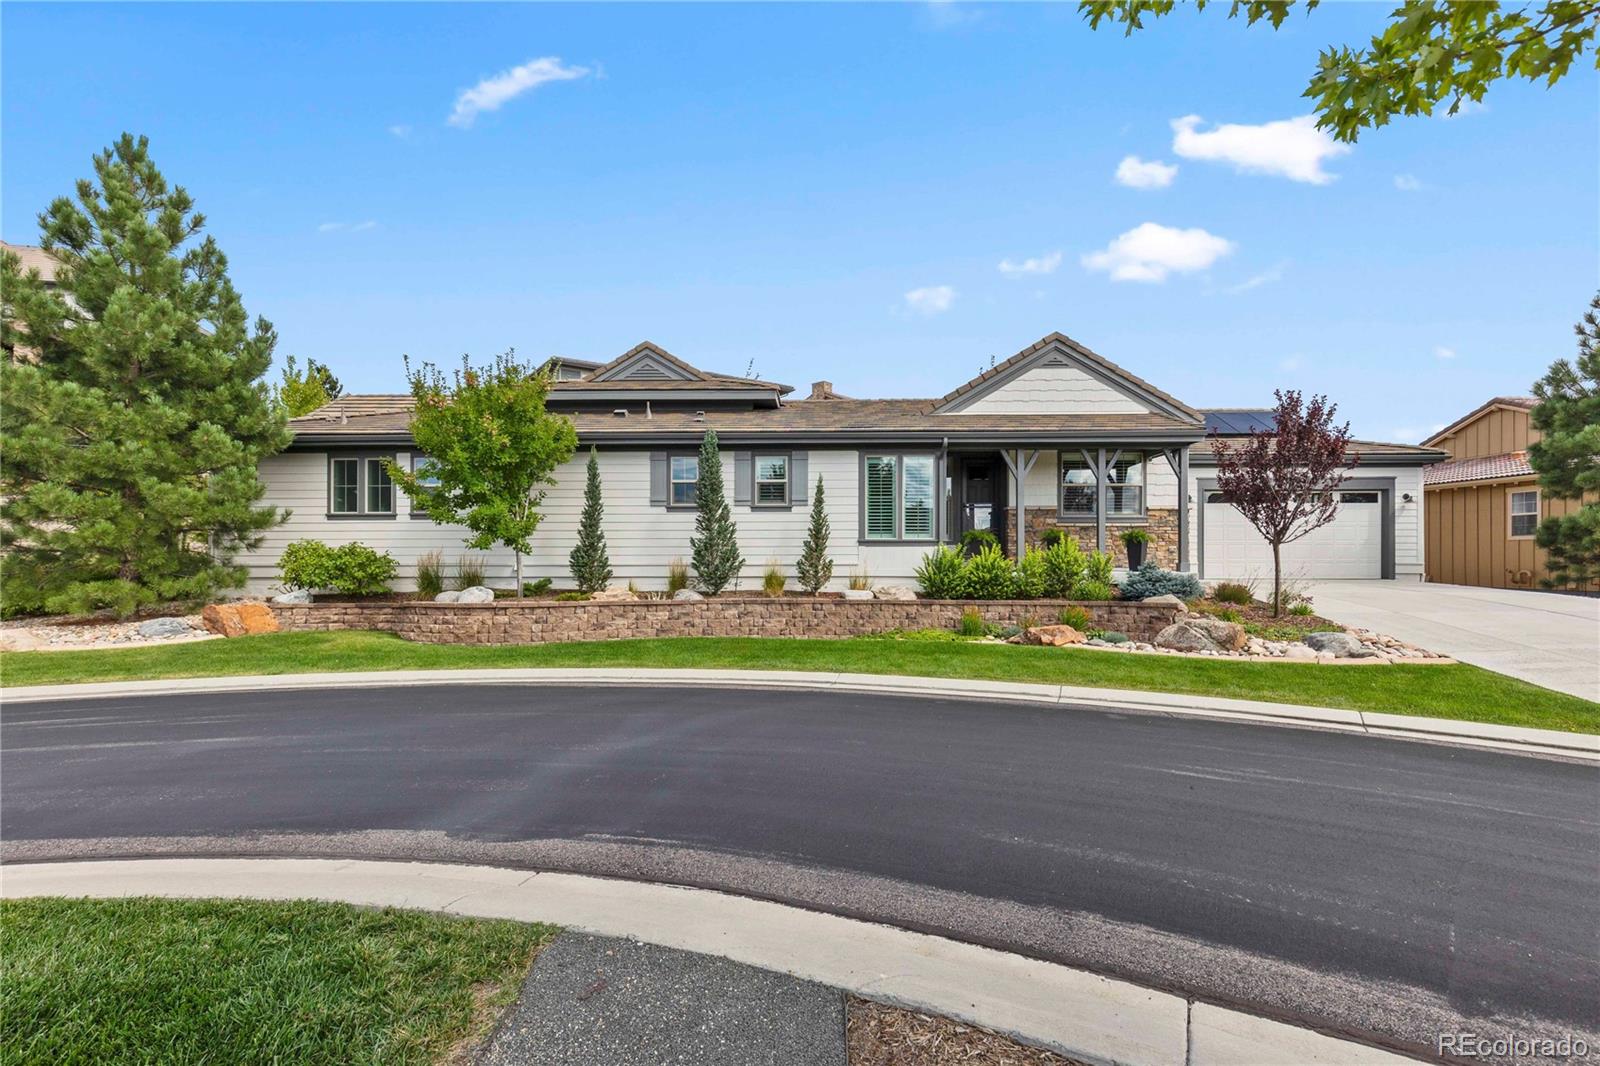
[32, 258]
[1087, 447]
[1484, 505]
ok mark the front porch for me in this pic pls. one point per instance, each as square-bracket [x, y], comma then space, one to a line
[1091, 492]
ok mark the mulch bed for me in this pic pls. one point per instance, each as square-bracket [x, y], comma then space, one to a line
[880, 1035]
[1260, 613]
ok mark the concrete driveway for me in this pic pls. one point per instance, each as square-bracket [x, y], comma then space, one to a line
[1546, 638]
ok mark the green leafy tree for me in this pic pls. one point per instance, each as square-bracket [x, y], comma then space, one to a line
[133, 427]
[1431, 53]
[492, 448]
[591, 565]
[1567, 457]
[815, 569]
[303, 391]
[715, 546]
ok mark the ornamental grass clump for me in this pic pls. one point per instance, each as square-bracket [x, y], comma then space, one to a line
[430, 574]
[971, 624]
[773, 580]
[1233, 592]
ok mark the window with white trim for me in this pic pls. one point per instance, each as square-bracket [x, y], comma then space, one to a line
[683, 480]
[1524, 514]
[1124, 487]
[899, 497]
[772, 480]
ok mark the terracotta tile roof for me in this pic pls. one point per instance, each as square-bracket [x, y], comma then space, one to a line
[1483, 468]
[1062, 340]
[357, 416]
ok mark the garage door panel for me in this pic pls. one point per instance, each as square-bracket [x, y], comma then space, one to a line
[1351, 546]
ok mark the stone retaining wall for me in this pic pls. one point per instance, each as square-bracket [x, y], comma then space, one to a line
[548, 622]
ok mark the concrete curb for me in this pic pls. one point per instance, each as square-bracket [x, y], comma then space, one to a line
[1541, 742]
[1085, 1016]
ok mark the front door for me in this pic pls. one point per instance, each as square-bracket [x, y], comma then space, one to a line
[982, 501]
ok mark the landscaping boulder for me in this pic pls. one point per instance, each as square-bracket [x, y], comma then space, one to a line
[476, 594]
[1339, 645]
[857, 594]
[893, 592]
[158, 628]
[687, 594]
[1052, 636]
[293, 596]
[239, 619]
[1169, 600]
[1200, 633]
[615, 594]
[447, 597]
[1301, 652]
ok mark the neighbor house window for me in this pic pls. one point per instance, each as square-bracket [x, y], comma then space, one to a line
[772, 480]
[380, 487]
[346, 495]
[685, 475]
[900, 501]
[359, 486]
[1124, 488]
[1524, 513]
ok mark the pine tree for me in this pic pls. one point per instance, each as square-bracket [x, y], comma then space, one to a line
[714, 547]
[133, 425]
[1567, 457]
[591, 566]
[815, 568]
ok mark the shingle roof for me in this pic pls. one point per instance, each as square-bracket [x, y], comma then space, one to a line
[700, 377]
[33, 258]
[1522, 403]
[1064, 341]
[357, 416]
[1482, 468]
[1374, 449]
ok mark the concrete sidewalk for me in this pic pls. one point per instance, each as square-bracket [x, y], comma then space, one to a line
[1547, 638]
[1082, 1015]
[1585, 746]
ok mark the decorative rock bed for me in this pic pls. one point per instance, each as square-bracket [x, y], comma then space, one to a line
[39, 635]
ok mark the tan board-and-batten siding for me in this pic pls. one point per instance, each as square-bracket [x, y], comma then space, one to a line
[553, 622]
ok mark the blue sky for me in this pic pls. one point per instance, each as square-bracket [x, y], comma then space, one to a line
[831, 191]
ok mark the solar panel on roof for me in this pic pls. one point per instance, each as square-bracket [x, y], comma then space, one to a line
[1238, 422]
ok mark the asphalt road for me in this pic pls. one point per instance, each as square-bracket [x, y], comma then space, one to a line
[1369, 885]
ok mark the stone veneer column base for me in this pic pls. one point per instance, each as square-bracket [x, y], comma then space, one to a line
[1161, 523]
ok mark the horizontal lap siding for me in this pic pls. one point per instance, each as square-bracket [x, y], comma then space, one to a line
[642, 540]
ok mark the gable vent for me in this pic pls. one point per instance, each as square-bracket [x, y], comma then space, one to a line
[646, 371]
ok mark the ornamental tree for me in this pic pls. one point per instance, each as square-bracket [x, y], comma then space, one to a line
[133, 410]
[715, 546]
[301, 392]
[1567, 457]
[1431, 52]
[1283, 479]
[815, 568]
[589, 561]
[492, 450]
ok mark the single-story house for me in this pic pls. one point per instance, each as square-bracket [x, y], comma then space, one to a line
[1081, 443]
[1484, 504]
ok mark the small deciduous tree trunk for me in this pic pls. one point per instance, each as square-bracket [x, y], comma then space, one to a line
[1277, 579]
[519, 575]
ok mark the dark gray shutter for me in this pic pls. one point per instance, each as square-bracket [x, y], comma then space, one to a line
[658, 479]
[742, 477]
[798, 479]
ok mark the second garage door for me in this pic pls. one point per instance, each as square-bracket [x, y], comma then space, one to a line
[1351, 546]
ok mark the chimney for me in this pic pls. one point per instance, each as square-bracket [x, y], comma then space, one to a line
[822, 390]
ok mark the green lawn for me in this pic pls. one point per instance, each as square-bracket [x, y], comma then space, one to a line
[1456, 691]
[225, 981]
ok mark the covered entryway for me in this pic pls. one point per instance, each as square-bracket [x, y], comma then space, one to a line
[1356, 544]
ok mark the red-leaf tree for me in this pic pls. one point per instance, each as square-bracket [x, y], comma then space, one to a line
[1283, 480]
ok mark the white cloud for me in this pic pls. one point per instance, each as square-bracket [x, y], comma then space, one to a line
[1467, 107]
[491, 93]
[1255, 281]
[1411, 433]
[1291, 148]
[1135, 173]
[1407, 182]
[1150, 252]
[1290, 362]
[1040, 264]
[1441, 352]
[947, 14]
[931, 299]
[400, 130]
[347, 227]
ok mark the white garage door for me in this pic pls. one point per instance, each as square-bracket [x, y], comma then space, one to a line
[1351, 546]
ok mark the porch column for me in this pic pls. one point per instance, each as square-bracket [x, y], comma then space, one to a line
[1100, 501]
[1019, 476]
[1183, 507]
